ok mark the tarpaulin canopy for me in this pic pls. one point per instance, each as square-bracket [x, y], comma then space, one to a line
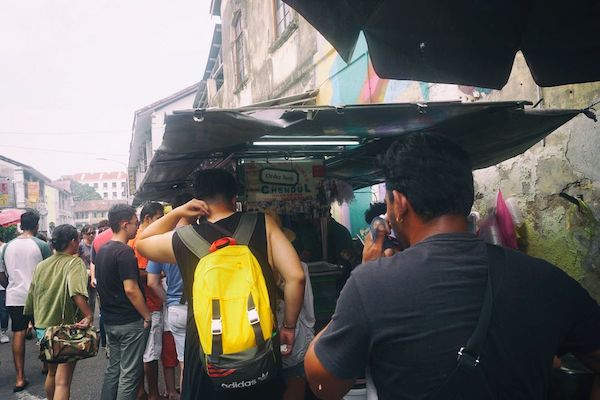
[465, 42]
[10, 216]
[490, 132]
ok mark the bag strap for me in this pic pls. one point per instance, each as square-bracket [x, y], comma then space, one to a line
[193, 241]
[2, 258]
[62, 317]
[468, 379]
[198, 245]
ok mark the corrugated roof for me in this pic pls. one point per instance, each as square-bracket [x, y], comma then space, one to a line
[489, 132]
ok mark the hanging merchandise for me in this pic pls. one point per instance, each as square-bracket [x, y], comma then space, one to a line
[515, 212]
[338, 191]
[506, 226]
[488, 228]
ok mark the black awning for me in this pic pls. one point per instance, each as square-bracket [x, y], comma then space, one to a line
[490, 132]
[465, 42]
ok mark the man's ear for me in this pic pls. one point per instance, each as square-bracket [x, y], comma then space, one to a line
[401, 204]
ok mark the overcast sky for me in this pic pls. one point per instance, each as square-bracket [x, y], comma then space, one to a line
[72, 74]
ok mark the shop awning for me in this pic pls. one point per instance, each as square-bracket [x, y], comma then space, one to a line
[193, 139]
[465, 42]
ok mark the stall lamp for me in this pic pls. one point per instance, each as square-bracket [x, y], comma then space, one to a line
[307, 143]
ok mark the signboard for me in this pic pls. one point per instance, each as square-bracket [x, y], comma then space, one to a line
[131, 182]
[4, 192]
[33, 192]
[283, 181]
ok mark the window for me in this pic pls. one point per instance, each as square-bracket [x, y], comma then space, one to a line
[238, 49]
[283, 16]
[122, 194]
[105, 185]
[105, 195]
[114, 185]
[123, 184]
[114, 195]
[95, 186]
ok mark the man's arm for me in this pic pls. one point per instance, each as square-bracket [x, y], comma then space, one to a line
[155, 242]
[88, 315]
[154, 279]
[322, 383]
[92, 274]
[135, 296]
[339, 353]
[284, 259]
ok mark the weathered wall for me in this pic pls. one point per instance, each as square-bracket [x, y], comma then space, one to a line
[566, 161]
[274, 67]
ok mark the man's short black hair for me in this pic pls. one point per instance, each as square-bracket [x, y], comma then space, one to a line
[375, 210]
[119, 213]
[214, 185]
[433, 172]
[30, 220]
[102, 225]
[150, 209]
[181, 198]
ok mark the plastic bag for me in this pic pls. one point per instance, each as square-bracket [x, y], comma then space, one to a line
[506, 226]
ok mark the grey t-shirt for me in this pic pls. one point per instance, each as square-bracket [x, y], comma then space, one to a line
[407, 316]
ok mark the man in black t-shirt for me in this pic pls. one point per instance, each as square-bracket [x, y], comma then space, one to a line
[122, 303]
[406, 317]
[215, 197]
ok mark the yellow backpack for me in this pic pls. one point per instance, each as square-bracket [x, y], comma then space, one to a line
[233, 315]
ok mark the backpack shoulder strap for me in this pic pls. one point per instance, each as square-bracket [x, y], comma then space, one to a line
[193, 241]
[245, 229]
[2, 261]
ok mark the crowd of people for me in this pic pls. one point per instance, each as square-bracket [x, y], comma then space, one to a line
[407, 317]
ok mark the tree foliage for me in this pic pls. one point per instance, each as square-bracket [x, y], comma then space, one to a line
[82, 192]
[8, 233]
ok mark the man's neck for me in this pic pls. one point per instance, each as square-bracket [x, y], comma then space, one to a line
[120, 237]
[27, 234]
[219, 212]
[439, 225]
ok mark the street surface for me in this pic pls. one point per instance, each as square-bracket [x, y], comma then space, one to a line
[87, 380]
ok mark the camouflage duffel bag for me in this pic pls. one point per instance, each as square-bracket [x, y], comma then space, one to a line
[68, 343]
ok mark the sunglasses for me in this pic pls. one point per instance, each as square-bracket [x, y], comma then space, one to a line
[90, 233]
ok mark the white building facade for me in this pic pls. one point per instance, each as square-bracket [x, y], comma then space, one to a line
[109, 185]
[149, 128]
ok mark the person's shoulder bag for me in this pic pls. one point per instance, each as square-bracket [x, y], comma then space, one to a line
[467, 381]
[66, 342]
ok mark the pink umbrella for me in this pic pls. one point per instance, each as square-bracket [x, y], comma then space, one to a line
[10, 216]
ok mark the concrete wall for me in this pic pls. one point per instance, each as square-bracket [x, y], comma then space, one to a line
[158, 119]
[566, 161]
[275, 67]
